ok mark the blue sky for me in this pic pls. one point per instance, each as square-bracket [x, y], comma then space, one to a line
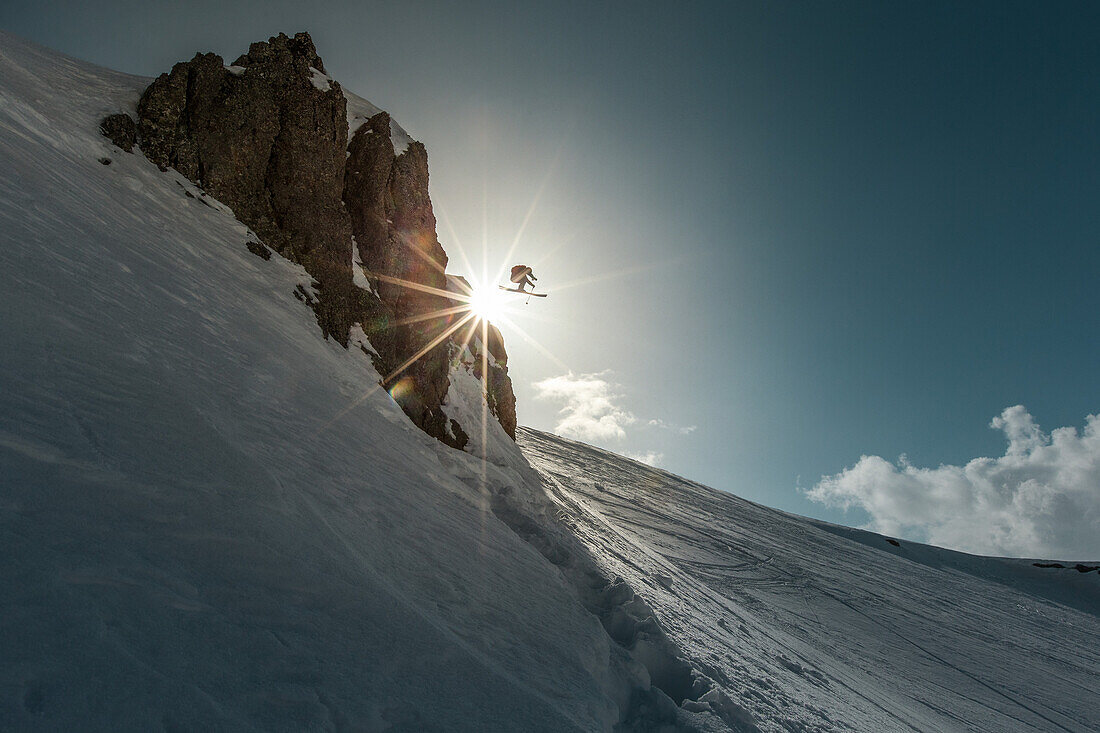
[825, 230]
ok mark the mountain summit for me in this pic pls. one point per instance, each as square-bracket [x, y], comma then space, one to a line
[213, 516]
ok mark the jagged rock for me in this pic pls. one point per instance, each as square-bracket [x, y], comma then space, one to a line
[120, 130]
[257, 248]
[498, 391]
[267, 137]
[502, 400]
[391, 214]
[496, 345]
[460, 436]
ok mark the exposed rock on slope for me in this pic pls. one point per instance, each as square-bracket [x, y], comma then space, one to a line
[502, 400]
[268, 136]
[265, 139]
[394, 226]
[120, 129]
[487, 354]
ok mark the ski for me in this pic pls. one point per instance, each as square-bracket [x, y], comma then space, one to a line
[522, 292]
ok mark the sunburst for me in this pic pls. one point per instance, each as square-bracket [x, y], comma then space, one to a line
[480, 303]
[487, 303]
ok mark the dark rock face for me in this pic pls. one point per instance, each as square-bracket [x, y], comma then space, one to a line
[502, 400]
[460, 436]
[120, 130]
[387, 198]
[268, 136]
[258, 249]
[269, 142]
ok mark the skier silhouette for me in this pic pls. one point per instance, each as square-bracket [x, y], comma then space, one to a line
[522, 275]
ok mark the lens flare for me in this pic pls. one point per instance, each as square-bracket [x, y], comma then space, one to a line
[487, 302]
[401, 389]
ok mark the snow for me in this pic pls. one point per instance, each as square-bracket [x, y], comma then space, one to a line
[211, 518]
[320, 80]
[239, 70]
[357, 339]
[360, 111]
[358, 273]
[810, 626]
[465, 404]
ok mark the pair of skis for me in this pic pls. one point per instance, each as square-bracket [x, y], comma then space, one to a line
[528, 293]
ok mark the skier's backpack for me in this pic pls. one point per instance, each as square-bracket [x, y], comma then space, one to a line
[518, 269]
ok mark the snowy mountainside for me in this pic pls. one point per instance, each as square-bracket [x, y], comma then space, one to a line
[813, 627]
[210, 519]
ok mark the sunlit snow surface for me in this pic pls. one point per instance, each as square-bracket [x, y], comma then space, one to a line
[210, 521]
[814, 627]
[360, 111]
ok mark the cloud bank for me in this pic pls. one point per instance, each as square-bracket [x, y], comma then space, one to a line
[590, 410]
[1040, 499]
[650, 458]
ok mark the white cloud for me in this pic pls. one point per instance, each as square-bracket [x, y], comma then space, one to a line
[590, 408]
[681, 429]
[1040, 499]
[650, 458]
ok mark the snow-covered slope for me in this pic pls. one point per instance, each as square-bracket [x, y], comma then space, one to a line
[210, 519]
[814, 627]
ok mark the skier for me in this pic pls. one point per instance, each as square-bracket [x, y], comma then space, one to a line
[522, 275]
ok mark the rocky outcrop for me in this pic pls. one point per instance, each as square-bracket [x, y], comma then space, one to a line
[120, 130]
[391, 215]
[502, 400]
[268, 136]
[488, 363]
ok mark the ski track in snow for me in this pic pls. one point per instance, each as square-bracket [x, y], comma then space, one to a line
[812, 631]
[211, 520]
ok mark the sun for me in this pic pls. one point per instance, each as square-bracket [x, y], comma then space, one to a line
[487, 303]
